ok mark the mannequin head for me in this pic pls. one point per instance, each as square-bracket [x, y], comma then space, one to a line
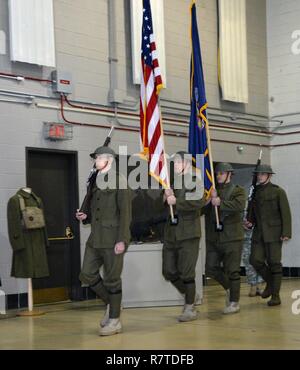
[28, 190]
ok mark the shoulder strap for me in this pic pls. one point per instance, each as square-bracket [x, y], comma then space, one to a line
[22, 202]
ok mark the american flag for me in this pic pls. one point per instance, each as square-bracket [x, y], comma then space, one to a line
[151, 84]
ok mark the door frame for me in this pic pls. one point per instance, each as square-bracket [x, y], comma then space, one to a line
[75, 290]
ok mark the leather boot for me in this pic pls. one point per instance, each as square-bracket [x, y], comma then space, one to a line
[276, 284]
[268, 291]
[275, 300]
[266, 275]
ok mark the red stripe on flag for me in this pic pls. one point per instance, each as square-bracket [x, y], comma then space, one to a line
[149, 109]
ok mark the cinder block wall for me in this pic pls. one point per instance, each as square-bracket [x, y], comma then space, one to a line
[82, 48]
[284, 91]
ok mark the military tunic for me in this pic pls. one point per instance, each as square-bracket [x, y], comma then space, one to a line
[223, 249]
[110, 218]
[181, 242]
[272, 221]
[29, 246]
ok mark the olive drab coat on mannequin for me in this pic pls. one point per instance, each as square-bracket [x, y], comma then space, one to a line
[29, 246]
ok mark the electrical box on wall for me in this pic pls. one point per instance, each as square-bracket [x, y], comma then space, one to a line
[62, 82]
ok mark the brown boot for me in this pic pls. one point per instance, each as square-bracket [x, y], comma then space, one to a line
[276, 283]
[252, 291]
[267, 292]
[274, 301]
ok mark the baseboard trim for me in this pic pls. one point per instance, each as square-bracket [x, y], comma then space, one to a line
[291, 271]
[17, 301]
[287, 271]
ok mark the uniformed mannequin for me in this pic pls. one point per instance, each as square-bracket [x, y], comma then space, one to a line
[29, 246]
[224, 248]
[110, 219]
[181, 242]
[272, 227]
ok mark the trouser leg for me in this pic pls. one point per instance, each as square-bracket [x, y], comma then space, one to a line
[188, 253]
[89, 274]
[100, 290]
[232, 263]
[213, 267]
[179, 285]
[274, 252]
[258, 260]
[170, 266]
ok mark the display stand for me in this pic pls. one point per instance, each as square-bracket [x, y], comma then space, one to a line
[30, 311]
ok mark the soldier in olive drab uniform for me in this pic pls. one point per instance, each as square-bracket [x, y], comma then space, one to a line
[181, 242]
[224, 248]
[272, 227]
[110, 218]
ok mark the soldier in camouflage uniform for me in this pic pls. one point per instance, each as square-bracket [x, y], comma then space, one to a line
[224, 248]
[110, 218]
[272, 227]
[181, 242]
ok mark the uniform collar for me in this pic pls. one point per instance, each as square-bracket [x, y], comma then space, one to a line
[224, 186]
[24, 193]
[260, 186]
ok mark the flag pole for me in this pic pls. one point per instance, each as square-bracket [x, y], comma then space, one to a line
[165, 162]
[212, 170]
